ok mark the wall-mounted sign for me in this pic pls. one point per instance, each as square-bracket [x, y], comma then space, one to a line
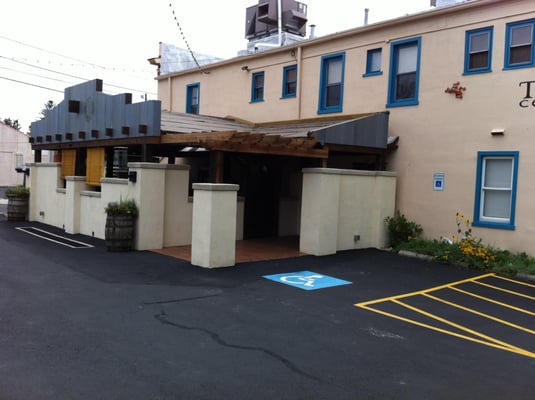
[528, 99]
[438, 181]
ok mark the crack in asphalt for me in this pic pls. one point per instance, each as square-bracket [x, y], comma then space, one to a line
[151, 303]
[162, 318]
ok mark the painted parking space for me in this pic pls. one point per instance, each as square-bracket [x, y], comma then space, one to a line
[52, 237]
[307, 280]
[488, 309]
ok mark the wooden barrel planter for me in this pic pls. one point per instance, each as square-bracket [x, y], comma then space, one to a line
[119, 232]
[17, 208]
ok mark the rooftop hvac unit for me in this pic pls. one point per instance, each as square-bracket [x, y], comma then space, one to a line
[261, 20]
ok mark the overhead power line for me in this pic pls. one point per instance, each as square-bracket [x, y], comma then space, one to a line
[70, 75]
[63, 55]
[31, 84]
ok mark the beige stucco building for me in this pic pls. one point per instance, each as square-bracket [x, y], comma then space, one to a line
[457, 82]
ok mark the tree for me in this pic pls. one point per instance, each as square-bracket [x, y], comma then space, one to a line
[12, 123]
[49, 105]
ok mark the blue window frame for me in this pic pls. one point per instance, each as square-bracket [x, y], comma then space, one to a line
[478, 51]
[193, 92]
[289, 81]
[257, 87]
[331, 83]
[496, 183]
[373, 62]
[519, 49]
[404, 73]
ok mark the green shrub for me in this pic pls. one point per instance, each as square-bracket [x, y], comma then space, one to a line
[18, 191]
[122, 207]
[401, 230]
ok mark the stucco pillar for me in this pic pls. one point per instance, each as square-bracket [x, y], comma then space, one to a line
[213, 242]
[147, 187]
[319, 212]
[75, 184]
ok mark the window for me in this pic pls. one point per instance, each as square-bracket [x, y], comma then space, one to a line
[192, 100]
[373, 62]
[404, 73]
[496, 189]
[257, 87]
[519, 44]
[478, 51]
[289, 82]
[19, 160]
[331, 83]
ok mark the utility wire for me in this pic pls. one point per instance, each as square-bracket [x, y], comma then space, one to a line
[184, 36]
[70, 76]
[36, 75]
[62, 55]
[31, 84]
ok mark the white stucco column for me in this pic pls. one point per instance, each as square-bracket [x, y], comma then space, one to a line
[213, 242]
[148, 190]
[75, 184]
[319, 211]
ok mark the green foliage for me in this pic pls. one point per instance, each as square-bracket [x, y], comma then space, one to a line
[122, 207]
[470, 252]
[401, 230]
[18, 191]
[14, 123]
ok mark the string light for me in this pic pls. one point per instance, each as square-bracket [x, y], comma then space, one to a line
[184, 36]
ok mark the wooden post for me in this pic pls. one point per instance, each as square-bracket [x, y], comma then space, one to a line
[216, 166]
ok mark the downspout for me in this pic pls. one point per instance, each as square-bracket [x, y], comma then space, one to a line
[170, 94]
[299, 83]
[279, 18]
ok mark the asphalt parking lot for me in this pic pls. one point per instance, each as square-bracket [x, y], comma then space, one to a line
[82, 323]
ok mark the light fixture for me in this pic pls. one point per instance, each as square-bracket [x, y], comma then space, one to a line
[245, 68]
[497, 132]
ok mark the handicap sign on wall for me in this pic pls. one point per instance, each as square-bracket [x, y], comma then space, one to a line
[307, 280]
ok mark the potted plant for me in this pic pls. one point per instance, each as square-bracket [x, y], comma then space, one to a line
[120, 225]
[17, 203]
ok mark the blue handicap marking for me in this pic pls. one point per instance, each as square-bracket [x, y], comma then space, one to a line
[307, 280]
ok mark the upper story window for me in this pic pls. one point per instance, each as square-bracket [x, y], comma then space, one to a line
[331, 83]
[257, 87]
[373, 62]
[478, 51]
[404, 73]
[519, 37]
[496, 189]
[192, 98]
[289, 81]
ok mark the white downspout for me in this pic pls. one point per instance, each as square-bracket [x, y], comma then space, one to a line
[279, 18]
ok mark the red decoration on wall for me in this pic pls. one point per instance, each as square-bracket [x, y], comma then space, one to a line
[457, 89]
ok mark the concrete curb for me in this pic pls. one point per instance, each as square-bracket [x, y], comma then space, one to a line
[408, 253]
[425, 257]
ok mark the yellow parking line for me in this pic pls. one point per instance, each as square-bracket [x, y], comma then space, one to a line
[522, 310]
[515, 281]
[463, 328]
[479, 337]
[505, 290]
[488, 316]
[445, 331]
[401, 296]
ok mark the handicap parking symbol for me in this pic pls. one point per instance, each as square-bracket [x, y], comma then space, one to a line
[307, 280]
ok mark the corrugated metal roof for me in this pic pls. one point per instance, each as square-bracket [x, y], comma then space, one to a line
[173, 122]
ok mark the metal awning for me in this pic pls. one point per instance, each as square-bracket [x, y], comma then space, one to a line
[305, 138]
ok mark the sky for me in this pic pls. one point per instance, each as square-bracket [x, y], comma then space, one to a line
[46, 46]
